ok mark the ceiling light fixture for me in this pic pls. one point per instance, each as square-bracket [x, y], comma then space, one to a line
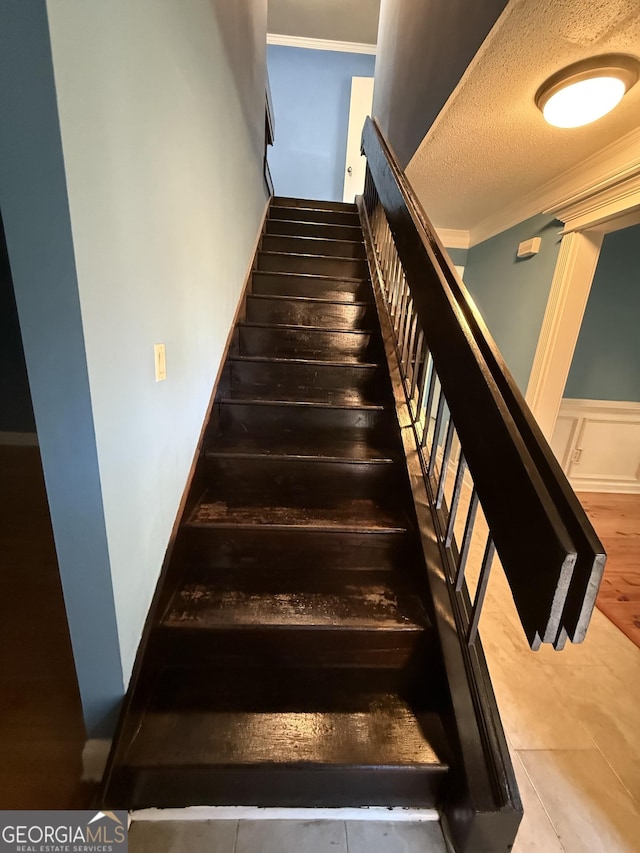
[587, 90]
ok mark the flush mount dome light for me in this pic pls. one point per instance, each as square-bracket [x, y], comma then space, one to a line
[587, 90]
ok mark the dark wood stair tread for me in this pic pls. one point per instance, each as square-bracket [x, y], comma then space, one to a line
[388, 734]
[359, 606]
[315, 362]
[321, 397]
[312, 446]
[313, 204]
[311, 300]
[360, 262]
[308, 244]
[305, 228]
[320, 278]
[345, 515]
[247, 324]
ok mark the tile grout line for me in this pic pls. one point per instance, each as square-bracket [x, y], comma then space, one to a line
[538, 794]
[346, 835]
[235, 840]
[615, 773]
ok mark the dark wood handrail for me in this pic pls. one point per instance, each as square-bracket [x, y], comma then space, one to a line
[550, 553]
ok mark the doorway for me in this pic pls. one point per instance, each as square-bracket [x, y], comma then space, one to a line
[42, 732]
[355, 165]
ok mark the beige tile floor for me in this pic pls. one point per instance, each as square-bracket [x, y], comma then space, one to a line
[572, 720]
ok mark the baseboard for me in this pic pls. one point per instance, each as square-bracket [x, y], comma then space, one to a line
[19, 439]
[368, 813]
[94, 758]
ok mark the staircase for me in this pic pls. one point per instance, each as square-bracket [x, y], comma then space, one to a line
[291, 659]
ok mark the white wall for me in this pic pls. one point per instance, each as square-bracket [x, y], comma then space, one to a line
[161, 106]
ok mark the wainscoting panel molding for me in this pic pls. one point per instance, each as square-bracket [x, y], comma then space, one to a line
[597, 442]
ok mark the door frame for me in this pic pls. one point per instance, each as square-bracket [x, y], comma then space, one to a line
[361, 88]
[587, 217]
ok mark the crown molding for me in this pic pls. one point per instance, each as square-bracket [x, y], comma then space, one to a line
[609, 167]
[453, 238]
[321, 44]
[608, 200]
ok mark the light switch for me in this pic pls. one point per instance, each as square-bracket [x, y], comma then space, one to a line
[161, 362]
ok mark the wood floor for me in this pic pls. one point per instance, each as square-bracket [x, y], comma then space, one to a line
[41, 726]
[616, 519]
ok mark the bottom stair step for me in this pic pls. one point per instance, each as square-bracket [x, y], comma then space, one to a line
[353, 748]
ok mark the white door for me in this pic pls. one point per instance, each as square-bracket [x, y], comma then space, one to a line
[359, 109]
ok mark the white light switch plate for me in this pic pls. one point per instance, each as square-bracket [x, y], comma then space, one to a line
[161, 362]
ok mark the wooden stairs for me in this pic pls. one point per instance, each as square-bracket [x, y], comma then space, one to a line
[292, 659]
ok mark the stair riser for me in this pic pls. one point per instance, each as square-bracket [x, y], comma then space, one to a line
[313, 229]
[294, 419]
[315, 245]
[329, 217]
[283, 787]
[292, 313]
[291, 646]
[293, 377]
[313, 265]
[313, 204]
[334, 690]
[345, 290]
[258, 551]
[292, 482]
[309, 343]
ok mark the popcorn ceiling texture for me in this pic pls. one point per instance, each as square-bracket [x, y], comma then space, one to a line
[490, 145]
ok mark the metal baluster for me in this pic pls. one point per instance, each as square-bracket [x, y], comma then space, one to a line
[387, 260]
[426, 372]
[384, 244]
[466, 539]
[404, 332]
[410, 335]
[397, 295]
[436, 434]
[455, 499]
[418, 360]
[427, 411]
[481, 591]
[409, 342]
[393, 291]
[403, 301]
[445, 462]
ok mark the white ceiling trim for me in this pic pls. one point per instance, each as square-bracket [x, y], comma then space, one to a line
[607, 168]
[598, 208]
[321, 44]
[453, 238]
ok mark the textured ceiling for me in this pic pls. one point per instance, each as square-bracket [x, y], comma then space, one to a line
[336, 20]
[490, 145]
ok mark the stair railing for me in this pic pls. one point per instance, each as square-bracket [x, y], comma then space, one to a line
[486, 465]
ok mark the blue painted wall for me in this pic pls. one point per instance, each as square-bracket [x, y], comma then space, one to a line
[16, 413]
[606, 363]
[123, 230]
[311, 90]
[458, 256]
[164, 172]
[511, 293]
[35, 211]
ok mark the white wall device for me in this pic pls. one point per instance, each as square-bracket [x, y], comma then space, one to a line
[529, 247]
